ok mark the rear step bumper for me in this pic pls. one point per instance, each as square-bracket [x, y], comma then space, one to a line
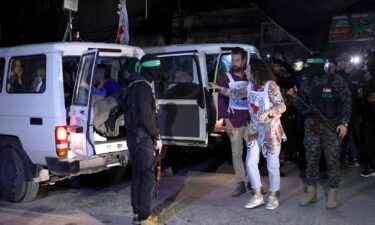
[75, 167]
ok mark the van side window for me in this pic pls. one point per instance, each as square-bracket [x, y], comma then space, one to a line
[27, 74]
[179, 78]
[2, 65]
[224, 65]
[126, 70]
[211, 60]
[70, 65]
[83, 80]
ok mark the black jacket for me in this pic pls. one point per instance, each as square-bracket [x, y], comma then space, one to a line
[141, 115]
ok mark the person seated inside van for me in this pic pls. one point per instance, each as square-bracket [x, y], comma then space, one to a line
[15, 81]
[97, 87]
[110, 85]
[182, 86]
[39, 83]
[103, 84]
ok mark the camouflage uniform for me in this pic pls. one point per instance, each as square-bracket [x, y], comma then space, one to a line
[331, 95]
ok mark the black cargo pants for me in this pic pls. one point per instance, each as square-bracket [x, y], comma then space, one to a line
[142, 153]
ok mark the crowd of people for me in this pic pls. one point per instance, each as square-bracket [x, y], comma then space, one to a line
[356, 148]
[314, 105]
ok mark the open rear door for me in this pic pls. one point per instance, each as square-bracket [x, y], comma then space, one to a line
[180, 94]
[81, 120]
[223, 64]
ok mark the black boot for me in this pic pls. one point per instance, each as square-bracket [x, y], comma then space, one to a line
[240, 189]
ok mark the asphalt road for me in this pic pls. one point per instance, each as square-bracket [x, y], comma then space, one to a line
[197, 194]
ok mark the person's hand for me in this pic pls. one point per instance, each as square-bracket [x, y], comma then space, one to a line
[100, 85]
[212, 85]
[360, 92]
[292, 91]
[229, 127]
[262, 118]
[85, 85]
[341, 130]
[158, 145]
[371, 98]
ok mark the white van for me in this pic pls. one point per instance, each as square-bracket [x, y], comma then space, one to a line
[184, 95]
[39, 142]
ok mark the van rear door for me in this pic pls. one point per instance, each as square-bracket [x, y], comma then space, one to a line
[181, 98]
[81, 121]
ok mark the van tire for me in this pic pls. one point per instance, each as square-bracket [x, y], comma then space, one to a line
[211, 111]
[16, 182]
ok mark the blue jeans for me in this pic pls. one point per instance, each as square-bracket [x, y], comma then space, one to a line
[273, 166]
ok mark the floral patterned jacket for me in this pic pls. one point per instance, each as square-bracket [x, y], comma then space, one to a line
[271, 134]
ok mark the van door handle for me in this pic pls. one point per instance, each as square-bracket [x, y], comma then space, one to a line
[36, 121]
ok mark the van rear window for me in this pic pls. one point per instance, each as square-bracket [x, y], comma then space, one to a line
[2, 65]
[27, 74]
[179, 77]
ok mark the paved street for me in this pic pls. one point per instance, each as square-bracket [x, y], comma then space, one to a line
[198, 194]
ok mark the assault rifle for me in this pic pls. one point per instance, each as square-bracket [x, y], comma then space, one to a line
[313, 109]
[156, 167]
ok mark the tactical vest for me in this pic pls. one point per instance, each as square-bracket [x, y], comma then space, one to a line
[325, 97]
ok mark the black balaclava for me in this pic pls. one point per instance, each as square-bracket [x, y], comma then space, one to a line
[370, 61]
[150, 73]
[315, 65]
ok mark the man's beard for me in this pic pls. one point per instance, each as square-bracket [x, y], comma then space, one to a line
[235, 69]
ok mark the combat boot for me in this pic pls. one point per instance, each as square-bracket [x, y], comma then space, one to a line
[152, 220]
[332, 198]
[310, 196]
[240, 189]
[136, 219]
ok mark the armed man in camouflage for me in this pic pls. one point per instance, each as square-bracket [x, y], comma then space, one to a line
[329, 103]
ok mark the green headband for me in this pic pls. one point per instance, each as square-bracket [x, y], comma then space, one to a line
[151, 63]
[315, 60]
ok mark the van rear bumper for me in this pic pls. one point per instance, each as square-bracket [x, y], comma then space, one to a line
[97, 163]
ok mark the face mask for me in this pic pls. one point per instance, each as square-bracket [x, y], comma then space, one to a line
[155, 73]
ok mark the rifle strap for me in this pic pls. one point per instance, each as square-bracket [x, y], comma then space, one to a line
[316, 125]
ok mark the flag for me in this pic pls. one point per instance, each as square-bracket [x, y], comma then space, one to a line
[123, 25]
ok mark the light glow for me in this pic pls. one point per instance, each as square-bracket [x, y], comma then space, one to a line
[355, 59]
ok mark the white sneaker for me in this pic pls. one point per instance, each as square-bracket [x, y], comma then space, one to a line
[272, 203]
[254, 202]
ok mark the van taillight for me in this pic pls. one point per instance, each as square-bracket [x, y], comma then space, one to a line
[61, 137]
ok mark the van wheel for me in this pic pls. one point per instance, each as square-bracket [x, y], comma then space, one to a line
[16, 183]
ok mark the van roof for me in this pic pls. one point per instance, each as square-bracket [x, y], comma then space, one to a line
[207, 48]
[68, 48]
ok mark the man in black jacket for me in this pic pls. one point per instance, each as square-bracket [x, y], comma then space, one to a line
[143, 137]
[366, 104]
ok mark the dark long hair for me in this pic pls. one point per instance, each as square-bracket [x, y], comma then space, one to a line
[261, 72]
